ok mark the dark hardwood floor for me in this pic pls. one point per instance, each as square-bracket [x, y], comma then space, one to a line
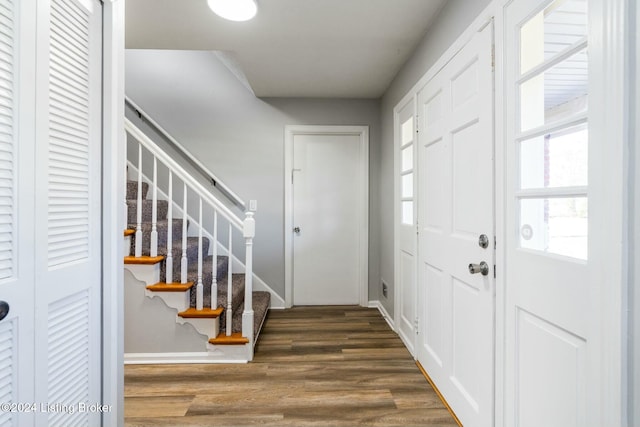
[314, 366]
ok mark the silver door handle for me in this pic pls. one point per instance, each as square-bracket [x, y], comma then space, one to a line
[296, 229]
[482, 268]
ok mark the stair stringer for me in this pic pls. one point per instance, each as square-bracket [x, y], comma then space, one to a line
[277, 302]
[150, 275]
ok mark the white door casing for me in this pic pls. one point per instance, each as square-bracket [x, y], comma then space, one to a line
[51, 198]
[405, 308]
[326, 196]
[456, 206]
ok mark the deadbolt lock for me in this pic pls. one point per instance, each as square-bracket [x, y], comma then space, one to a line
[483, 241]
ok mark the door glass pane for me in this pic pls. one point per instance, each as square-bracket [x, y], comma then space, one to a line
[407, 131]
[407, 158]
[555, 160]
[558, 93]
[559, 26]
[407, 213]
[407, 185]
[555, 225]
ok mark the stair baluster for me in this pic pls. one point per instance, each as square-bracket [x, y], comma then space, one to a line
[183, 260]
[154, 211]
[138, 249]
[199, 285]
[169, 259]
[214, 280]
[229, 283]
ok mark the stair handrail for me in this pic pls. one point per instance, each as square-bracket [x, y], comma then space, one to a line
[217, 183]
[246, 227]
[143, 139]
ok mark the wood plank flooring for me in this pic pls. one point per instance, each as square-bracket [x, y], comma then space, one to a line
[314, 366]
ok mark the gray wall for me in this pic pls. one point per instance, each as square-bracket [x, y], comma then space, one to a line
[241, 138]
[634, 241]
[454, 18]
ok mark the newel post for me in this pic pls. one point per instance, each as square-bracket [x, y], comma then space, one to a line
[248, 232]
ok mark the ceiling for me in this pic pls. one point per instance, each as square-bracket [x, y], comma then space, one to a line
[293, 48]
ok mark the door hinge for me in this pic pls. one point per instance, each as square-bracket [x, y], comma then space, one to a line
[416, 322]
[494, 271]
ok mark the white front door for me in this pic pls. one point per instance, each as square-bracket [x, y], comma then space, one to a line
[456, 229]
[406, 291]
[327, 219]
[50, 140]
[548, 309]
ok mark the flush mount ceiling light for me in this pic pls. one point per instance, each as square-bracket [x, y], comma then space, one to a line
[234, 10]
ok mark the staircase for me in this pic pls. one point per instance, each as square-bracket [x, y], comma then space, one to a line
[177, 256]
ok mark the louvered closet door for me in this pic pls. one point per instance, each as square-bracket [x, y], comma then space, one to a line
[68, 211]
[16, 214]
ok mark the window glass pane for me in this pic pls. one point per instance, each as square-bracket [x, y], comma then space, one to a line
[555, 225]
[407, 185]
[407, 213]
[555, 160]
[407, 131]
[551, 31]
[558, 93]
[407, 158]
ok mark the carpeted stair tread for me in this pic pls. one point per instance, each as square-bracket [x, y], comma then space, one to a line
[163, 229]
[207, 269]
[132, 187]
[261, 304]
[147, 210]
[237, 297]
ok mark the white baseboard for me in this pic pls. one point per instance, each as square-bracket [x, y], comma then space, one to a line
[174, 358]
[385, 314]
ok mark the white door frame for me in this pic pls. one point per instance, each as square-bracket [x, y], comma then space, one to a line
[113, 219]
[363, 202]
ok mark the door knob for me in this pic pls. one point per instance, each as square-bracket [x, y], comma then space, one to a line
[296, 229]
[4, 309]
[482, 268]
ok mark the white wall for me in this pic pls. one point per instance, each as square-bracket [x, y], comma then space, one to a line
[241, 138]
[454, 18]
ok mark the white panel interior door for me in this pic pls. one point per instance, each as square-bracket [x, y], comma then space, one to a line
[456, 207]
[406, 292]
[547, 308]
[326, 190]
[68, 210]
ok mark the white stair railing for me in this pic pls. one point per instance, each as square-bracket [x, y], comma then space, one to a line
[244, 226]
